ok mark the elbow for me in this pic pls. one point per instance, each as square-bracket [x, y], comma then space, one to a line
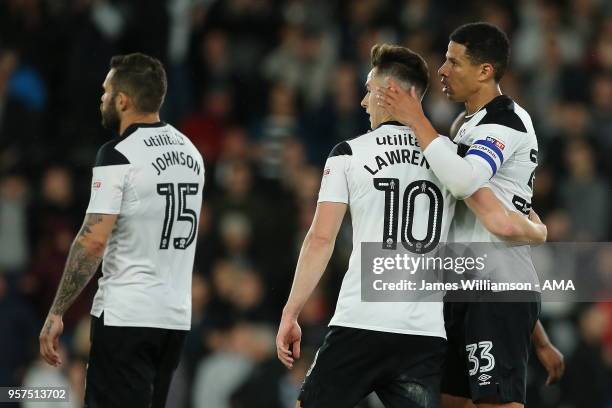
[316, 240]
[95, 247]
[460, 190]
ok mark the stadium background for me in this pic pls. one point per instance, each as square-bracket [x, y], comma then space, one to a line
[265, 88]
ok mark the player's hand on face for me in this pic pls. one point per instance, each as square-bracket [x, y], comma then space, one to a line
[404, 106]
[553, 361]
[49, 339]
[288, 341]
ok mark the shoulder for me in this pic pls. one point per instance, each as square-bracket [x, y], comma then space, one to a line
[108, 155]
[502, 111]
[341, 149]
[187, 141]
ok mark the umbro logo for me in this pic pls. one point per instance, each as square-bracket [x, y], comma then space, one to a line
[484, 379]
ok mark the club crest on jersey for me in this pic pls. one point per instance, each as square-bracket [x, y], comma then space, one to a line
[496, 142]
[97, 184]
[326, 171]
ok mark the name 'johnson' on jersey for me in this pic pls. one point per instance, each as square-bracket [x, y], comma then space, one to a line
[152, 176]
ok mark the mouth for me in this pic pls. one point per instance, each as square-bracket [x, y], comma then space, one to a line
[445, 88]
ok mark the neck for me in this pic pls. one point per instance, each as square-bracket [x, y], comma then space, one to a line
[480, 98]
[129, 119]
[385, 118]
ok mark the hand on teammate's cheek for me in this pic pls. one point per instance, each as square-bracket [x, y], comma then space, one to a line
[404, 106]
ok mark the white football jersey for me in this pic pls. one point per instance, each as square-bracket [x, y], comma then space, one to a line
[501, 135]
[152, 177]
[394, 199]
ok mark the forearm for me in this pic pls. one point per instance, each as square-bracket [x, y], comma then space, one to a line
[526, 230]
[313, 259]
[83, 260]
[539, 336]
[460, 176]
[424, 132]
[506, 224]
[80, 267]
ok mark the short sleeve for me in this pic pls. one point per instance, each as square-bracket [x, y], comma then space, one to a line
[108, 181]
[493, 144]
[334, 184]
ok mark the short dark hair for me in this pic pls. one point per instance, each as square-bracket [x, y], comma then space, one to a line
[142, 78]
[401, 63]
[484, 43]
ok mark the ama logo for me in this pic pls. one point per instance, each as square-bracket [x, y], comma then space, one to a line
[496, 142]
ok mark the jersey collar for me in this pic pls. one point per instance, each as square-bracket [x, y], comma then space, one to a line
[135, 126]
[389, 122]
[500, 102]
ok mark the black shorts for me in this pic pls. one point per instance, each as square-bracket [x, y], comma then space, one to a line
[404, 370]
[130, 366]
[488, 349]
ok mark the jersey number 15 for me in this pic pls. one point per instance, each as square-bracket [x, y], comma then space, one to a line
[184, 213]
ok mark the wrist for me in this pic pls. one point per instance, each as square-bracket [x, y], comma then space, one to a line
[291, 311]
[425, 132]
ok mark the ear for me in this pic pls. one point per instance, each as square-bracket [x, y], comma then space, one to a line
[486, 71]
[122, 102]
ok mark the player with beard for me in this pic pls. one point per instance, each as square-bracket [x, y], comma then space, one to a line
[495, 147]
[141, 223]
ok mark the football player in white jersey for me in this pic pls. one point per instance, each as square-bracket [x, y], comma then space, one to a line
[395, 349]
[496, 148]
[141, 223]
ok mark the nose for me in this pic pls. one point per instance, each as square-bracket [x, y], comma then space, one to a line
[442, 71]
[364, 102]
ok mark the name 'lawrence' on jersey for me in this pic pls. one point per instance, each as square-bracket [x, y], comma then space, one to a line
[152, 176]
[394, 199]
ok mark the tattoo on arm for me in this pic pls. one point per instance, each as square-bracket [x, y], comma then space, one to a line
[80, 267]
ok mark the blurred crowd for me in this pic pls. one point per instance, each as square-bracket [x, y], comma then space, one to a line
[265, 88]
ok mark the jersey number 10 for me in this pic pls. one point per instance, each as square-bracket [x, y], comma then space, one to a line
[184, 213]
[391, 187]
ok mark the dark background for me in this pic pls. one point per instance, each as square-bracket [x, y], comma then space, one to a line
[265, 88]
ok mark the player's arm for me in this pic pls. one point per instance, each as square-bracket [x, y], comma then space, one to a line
[506, 224]
[83, 260]
[550, 357]
[315, 253]
[86, 252]
[461, 175]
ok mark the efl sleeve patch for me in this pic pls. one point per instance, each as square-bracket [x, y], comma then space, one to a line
[334, 185]
[489, 151]
[107, 189]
